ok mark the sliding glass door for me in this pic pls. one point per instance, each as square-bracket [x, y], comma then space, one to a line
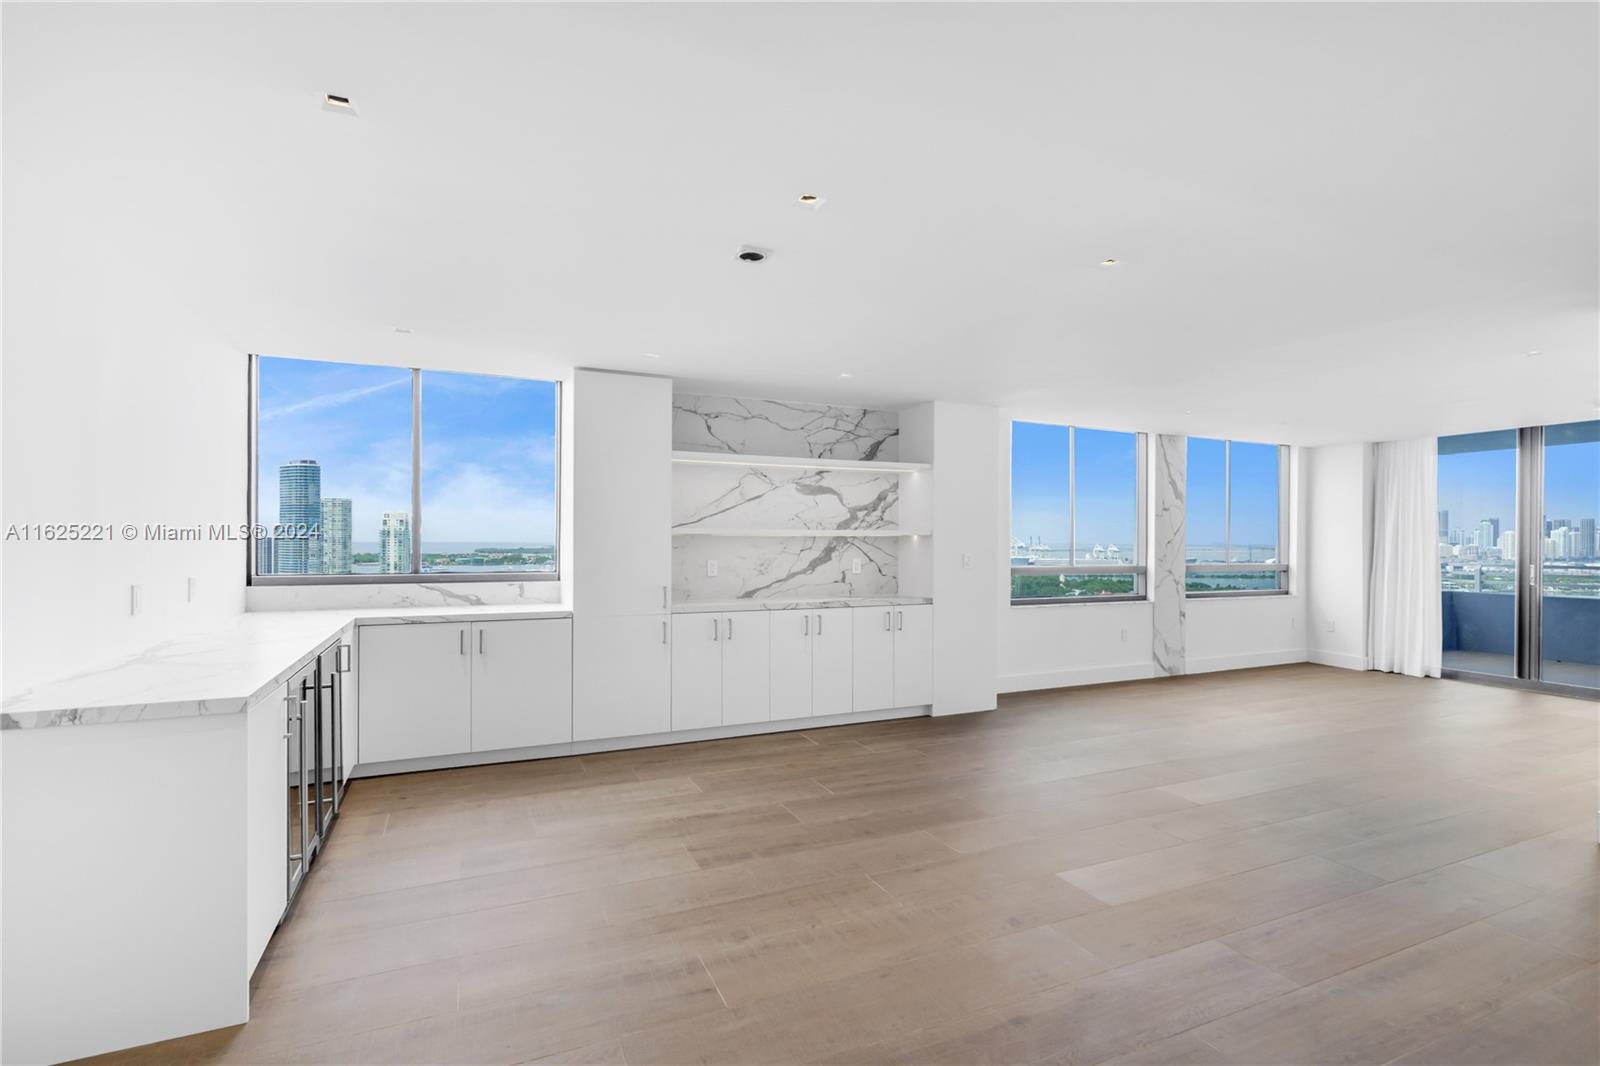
[1519, 562]
[1569, 601]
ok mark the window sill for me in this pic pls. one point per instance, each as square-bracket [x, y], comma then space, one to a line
[448, 578]
[1061, 601]
[1235, 594]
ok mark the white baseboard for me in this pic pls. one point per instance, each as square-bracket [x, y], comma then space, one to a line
[1092, 675]
[1245, 662]
[1342, 660]
[651, 740]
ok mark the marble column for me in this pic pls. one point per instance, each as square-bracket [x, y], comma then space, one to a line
[1167, 569]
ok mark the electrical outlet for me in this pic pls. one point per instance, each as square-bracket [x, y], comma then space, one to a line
[855, 566]
[1330, 625]
[966, 560]
[711, 568]
[135, 599]
[1124, 636]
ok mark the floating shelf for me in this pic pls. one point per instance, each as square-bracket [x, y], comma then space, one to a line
[885, 466]
[853, 534]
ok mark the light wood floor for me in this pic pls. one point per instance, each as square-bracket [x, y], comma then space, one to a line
[1296, 864]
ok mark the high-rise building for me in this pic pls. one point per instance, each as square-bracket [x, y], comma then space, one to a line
[299, 512]
[1444, 523]
[335, 535]
[1586, 546]
[266, 558]
[1508, 544]
[394, 542]
[1488, 532]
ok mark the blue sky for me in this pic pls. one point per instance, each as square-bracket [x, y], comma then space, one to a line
[488, 447]
[1479, 484]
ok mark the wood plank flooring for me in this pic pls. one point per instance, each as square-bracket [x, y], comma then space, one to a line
[1295, 864]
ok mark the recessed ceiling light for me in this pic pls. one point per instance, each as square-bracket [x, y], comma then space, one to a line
[810, 199]
[1108, 262]
[1534, 353]
[402, 329]
[751, 254]
[651, 355]
[846, 374]
[340, 104]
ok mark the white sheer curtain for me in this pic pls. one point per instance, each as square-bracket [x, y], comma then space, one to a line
[1404, 627]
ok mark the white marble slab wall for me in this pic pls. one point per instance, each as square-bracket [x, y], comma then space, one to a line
[789, 568]
[778, 427]
[1167, 564]
[782, 498]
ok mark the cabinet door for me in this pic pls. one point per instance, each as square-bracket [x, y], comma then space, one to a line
[621, 676]
[832, 660]
[913, 655]
[696, 671]
[415, 683]
[791, 636]
[746, 667]
[521, 683]
[622, 456]
[872, 639]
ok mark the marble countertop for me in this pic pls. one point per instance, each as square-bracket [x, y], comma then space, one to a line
[714, 606]
[218, 670]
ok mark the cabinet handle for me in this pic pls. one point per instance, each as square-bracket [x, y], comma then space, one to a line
[819, 625]
[663, 632]
[663, 597]
[730, 628]
[480, 642]
[461, 641]
[886, 615]
[807, 632]
[899, 619]
[716, 629]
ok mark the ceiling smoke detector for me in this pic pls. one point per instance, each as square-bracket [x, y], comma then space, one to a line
[341, 105]
[751, 254]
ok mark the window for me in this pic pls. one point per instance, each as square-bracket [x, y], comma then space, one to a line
[375, 473]
[1236, 521]
[1077, 514]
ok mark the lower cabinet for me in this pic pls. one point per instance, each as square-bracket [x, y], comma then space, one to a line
[438, 688]
[812, 663]
[721, 669]
[621, 676]
[893, 657]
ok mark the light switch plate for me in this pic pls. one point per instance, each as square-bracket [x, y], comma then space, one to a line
[711, 568]
[966, 560]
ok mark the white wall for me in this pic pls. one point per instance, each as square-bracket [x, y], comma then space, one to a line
[956, 565]
[1339, 546]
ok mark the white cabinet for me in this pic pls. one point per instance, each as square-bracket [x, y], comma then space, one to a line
[416, 691]
[622, 485]
[621, 676]
[721, 669]
[442, 688]
[913, 655]
[521, 683]
[893, 657]
[812, 672]
[873, 641]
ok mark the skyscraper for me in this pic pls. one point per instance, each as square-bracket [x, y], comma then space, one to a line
[1508, 544]
[1488, 532]
[394, 542]
[335, 535]
[1444, 524]
[299, 511]
[1586, 548]
[266, 559]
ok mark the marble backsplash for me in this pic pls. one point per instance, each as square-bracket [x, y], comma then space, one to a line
[770, 498]
[778, 427]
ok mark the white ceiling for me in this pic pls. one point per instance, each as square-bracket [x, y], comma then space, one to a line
[1335, 222]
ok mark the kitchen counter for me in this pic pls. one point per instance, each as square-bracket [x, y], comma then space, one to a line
[219, 670]
[717, 606]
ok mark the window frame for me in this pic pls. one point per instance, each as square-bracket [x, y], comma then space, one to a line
[1139, 567]
[1281, 568]
[416, 575]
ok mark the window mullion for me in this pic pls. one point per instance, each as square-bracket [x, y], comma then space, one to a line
[416, 471]
[1227, 502]
[1072, 496]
